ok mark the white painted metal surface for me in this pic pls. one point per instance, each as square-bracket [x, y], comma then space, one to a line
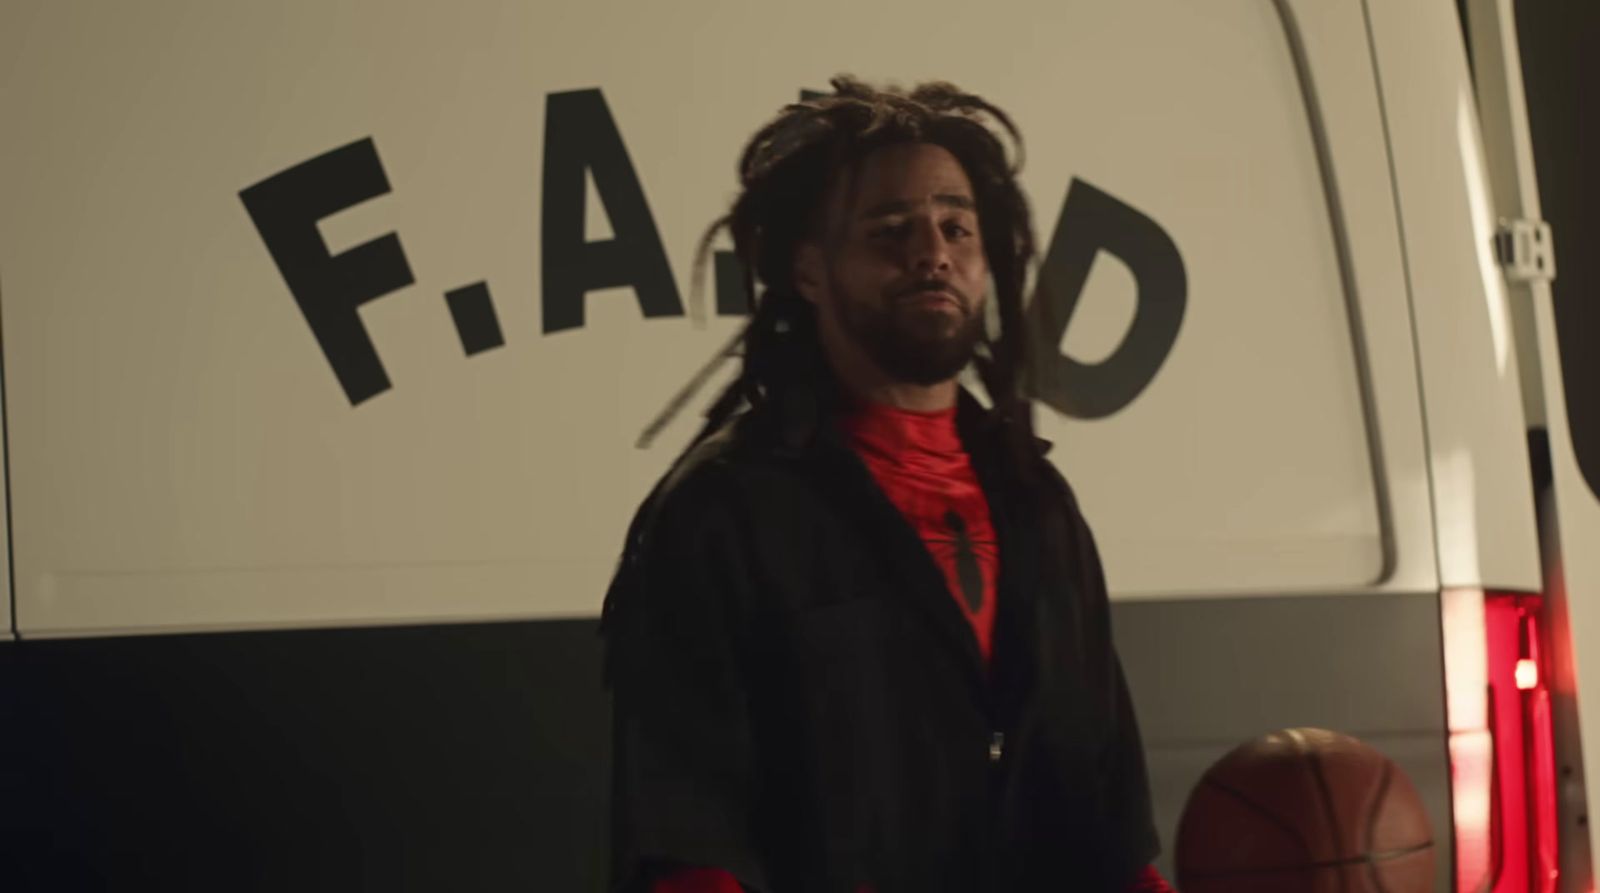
[183, 457]
[1482, 487]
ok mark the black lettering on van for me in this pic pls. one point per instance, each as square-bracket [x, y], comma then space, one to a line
[329, 288]
[1093, 221]
[733, 299]
[579, 134]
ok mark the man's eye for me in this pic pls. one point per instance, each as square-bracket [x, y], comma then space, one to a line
[951, 230]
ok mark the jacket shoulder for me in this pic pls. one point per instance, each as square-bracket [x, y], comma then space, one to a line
[692, 508]
[704, 485]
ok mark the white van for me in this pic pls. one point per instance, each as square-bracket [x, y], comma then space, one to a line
[323, 318]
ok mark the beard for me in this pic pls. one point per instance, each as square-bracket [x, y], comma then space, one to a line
[911, 344]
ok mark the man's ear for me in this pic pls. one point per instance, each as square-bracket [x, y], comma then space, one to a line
[809, 274]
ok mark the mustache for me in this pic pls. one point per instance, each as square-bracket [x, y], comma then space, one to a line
[935, 285]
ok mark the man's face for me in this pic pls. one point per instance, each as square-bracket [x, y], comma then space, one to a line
[899, 276]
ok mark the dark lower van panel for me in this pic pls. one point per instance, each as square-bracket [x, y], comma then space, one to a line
[1210, 674]
[473, 758]
[448, 758]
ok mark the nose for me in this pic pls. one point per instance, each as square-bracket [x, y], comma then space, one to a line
[929, 250]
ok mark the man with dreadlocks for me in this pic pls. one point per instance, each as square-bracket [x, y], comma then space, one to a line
[859, 638]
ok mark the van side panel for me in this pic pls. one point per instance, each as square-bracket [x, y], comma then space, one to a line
[1472, 401]
[192, 454]
[461, 758]
[474, 757]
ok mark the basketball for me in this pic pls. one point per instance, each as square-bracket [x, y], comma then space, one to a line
[1304, 810]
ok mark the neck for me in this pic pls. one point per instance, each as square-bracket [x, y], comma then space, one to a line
[864, 381]
[917, 398]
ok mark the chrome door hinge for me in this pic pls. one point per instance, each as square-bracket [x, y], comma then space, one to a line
[1525, 250]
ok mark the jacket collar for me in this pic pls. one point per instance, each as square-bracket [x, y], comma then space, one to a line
[800, 426]
[799, 423]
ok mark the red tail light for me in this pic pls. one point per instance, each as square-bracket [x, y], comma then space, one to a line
[1501, 746]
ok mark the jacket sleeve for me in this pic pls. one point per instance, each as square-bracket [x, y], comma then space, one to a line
[1129, 822]
[696, 880]
[715, 880]
[684, 775]
[1150, 881]
[1127, 785]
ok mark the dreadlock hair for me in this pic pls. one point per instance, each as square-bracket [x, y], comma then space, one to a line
[787, 169]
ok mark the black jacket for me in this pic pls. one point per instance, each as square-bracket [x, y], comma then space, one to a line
[799, 700]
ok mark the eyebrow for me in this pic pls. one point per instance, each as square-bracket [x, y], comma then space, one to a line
[894, 206]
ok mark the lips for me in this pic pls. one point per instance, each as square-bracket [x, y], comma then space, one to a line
[932, 298]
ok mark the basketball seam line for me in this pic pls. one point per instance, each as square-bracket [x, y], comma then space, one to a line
[1371, 859]
[1265, 813]
[1329, 814]
[1372, 825]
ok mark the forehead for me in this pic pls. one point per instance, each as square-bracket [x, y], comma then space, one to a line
[892, 176]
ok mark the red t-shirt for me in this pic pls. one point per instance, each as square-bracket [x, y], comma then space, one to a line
[919, 462]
